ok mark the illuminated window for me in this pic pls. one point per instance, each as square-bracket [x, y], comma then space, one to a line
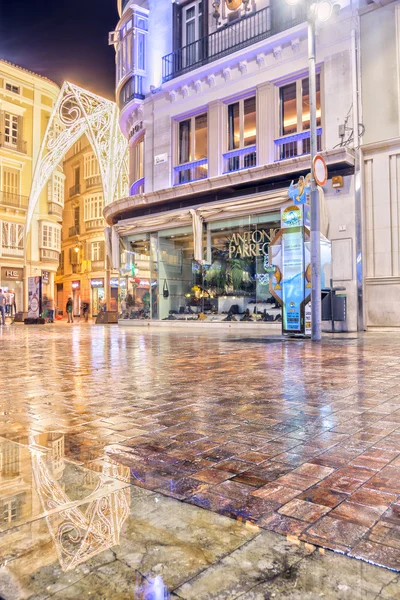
[131, 47]
[242, 134]
[193, 148]
[97, 251]
[295, 106]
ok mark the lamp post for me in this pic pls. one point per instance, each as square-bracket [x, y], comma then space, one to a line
[320, 10]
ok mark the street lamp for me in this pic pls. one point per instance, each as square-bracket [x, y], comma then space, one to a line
[320, 10]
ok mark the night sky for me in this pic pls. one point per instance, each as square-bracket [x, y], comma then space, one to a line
[62, 40]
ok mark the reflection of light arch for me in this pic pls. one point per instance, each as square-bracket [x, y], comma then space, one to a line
[75, 113]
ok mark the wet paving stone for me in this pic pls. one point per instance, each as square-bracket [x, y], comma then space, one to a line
[300, 439]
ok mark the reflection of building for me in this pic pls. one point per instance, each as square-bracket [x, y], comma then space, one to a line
[26, 101]
[82, 273]
[217, 114]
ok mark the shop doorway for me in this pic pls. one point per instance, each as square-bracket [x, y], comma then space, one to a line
[59, 298]
[98, 295]
[76, 300]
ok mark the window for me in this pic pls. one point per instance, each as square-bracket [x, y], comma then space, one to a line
[97, 252]
[9, 511]
[11, 179]
[137, 166]
[193, 145]
[93, 208]
[56, 189]
[295, 117]
[192, 31]
[51, 237]
[11, 129]
[12, 88]
[12, 235]
[131, 47]
[242, 135]
[77, 147]
[91, 166]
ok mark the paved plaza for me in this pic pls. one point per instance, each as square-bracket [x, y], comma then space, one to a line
[198, 464]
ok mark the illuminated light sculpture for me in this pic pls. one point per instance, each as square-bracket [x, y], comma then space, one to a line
[77, 112]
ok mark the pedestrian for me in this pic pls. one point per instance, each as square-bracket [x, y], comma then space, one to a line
[85, 310]
[2, 303]
[50, 310]
[69, 309]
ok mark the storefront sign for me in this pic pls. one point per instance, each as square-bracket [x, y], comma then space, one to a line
[250, 243]
[76, 285]
[45, 277]
[114, 282]
[34, 297]
[11, 274]
[97, 283]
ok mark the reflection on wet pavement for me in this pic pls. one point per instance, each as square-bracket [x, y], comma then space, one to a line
[114, 442]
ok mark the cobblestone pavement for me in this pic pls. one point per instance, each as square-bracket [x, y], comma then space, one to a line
[284, 436]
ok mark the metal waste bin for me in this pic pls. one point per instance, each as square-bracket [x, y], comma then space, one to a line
[334, 306]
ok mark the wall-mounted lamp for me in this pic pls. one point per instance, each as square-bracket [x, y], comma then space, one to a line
[216, 14]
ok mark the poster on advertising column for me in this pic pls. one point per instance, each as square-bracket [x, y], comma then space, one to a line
[293, 269]
[34, 297]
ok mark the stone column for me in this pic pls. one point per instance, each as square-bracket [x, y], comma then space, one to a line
[215, 138]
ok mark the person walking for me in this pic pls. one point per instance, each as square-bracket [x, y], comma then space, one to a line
[69, 309]
[2, 306]
[85, 310]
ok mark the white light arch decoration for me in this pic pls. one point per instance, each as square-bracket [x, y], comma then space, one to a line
[77, 112]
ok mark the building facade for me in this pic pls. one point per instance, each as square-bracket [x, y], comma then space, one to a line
[214, 100]
[26, 102]
[82, 273]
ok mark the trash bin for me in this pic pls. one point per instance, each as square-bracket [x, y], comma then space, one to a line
[334, 306]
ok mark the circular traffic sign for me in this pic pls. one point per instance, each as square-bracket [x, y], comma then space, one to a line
[320, 170]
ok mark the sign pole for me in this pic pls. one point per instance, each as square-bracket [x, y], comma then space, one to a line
[315, 216]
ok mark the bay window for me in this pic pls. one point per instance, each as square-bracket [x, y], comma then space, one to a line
[93, 207]
[50, 237]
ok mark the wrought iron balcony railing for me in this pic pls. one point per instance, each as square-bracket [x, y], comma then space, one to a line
[74, 230]
[192, 171]
[236, 160]
[74, 190]
[297, 144]
[244, 32]
[13, 200]
[7, 141]
[132, 88]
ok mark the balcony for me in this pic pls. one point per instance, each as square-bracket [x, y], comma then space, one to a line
[74, 190]
[236, 160]
[49, 255]
[94, 224]
[16, 144]
[192, 171]
[73, 230]
[133, 88]
[244, 32]
[297, 144]
[55, 209]
[93, 181]
[13, 200]
[137, 187]
[12, 251]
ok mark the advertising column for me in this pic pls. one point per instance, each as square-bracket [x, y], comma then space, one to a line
[34, 297]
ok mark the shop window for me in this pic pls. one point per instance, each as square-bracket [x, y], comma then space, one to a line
[192, 149]
[50, 237]
[93, 207]
[294, 99]
[138, 278]
[242, 135]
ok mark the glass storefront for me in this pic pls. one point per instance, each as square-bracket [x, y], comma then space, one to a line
[161, 279]
[98, 296]
[12, 284]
